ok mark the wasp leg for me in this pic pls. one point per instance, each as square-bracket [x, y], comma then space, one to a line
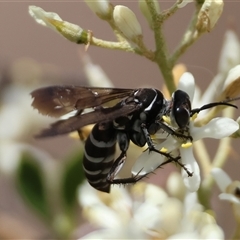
[190, 174]
[151, 147]
[173, 133]
[116, 168]
[123, 141]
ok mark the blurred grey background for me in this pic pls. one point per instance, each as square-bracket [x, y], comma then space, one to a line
[21, 37]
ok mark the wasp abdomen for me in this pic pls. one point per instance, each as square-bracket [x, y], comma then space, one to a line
[99, 155]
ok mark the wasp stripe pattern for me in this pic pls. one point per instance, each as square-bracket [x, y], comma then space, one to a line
[99, 155]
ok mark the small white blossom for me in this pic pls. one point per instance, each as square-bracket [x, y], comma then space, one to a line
[230, 189]
[126, 21]
[52, 20]
[217, 128]
[18, 121]
[230, 192]
[145, 212]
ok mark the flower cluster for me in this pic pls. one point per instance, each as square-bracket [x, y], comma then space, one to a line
[146, 212]
[217, 128]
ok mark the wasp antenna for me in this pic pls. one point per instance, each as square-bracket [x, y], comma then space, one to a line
[211, 105]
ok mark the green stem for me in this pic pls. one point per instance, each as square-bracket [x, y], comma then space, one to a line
[165, 14]
[191, 35]
[161, 50]
[123, 45]
[219, 160]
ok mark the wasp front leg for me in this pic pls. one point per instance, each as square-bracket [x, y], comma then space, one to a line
[151, 147]
[164, 126]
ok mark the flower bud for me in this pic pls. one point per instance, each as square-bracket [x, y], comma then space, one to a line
[102, 8]
[209, 15]
[127, 22]
[231, 87]
[49, 19]
[145, 10]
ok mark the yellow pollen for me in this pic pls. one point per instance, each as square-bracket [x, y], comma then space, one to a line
[153, 136]
[166, 119]
[74, 135]
[194, 116]
[186, 145]
[163, 149]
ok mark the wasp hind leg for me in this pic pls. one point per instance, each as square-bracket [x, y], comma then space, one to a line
[118, 164]
[169, 157]
[123, 141]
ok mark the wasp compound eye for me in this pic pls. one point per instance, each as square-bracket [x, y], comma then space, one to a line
[181, 117]
[181, 108]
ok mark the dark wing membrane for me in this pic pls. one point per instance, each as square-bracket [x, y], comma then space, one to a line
[56, 101]
[96, 116]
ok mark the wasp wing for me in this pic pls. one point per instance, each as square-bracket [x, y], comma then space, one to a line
[56, 101]
[98, 115]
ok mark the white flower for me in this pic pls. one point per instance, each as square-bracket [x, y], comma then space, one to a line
[218, 88]
[230, 189]
[101, 8]
[230, 192]
[217, 128]
[18, 120]
[145, 212]
[126, 21]
[52, 20]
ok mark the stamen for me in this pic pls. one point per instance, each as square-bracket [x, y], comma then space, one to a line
[163, 149]
[186, 145]
[194, 116]
[166, 119]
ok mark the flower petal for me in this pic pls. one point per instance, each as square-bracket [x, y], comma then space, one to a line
[187, 84]
[232, 84]
[42, 17]
[229, 197]
[101, 8]
[126, 20]
[217, 128]
[192, 183]
[221, 178]
[230, 53]
[149, 161]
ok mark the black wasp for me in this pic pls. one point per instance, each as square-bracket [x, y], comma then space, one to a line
[120, 116]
